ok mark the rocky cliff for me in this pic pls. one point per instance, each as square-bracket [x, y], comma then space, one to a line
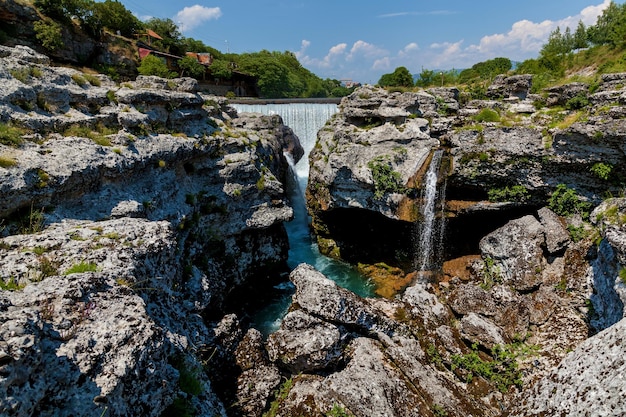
[132, 216]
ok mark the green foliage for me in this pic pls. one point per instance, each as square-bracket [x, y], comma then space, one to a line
[486, 70]
[578, 102]
[622, 275]
[281, 395]
[517, 193]
[172, 41]
[338, 411]
[487, 115]
[49, 33]
[502, 370]
[438, 411]
[610, 28]
[602, 170]
[190, 66]
[81, 267]
[401, 77]
[386, 180]
[7, 161]
[11, 285]
[577, 233]
[180, 407]
[491, 274]
[113, 15]
[11, 135]
[153, 65]
[565, 202]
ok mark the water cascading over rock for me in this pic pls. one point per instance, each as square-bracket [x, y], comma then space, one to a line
[430, 226]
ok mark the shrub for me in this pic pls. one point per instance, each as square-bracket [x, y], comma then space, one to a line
[152, 65]
[517, 193]
[622, 275]
[93, 80]
[487, 115]
[565, 202]
[49, 34]
[601, 170]
[578, 102]
[386, 180]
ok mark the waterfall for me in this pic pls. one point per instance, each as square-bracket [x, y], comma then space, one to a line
[305, 119]
[430, 228]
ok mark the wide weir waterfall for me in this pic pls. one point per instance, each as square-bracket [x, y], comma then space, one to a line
[430, 227]
[305, 119]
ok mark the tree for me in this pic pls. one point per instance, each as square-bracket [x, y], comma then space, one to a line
[114, 16]
[172, 41]
[610, 27]
[191, 66]
[580, 36]
[425, 78]
[400, 77]
[152, 65]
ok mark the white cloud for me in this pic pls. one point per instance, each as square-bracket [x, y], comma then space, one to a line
[522, 41]
[409, 49]
[331, 57]
[382, 64]
[192, 17]
[367, 50]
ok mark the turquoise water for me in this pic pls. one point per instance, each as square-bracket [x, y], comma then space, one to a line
[305, 119]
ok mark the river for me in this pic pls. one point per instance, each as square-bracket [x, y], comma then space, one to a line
[305, 119]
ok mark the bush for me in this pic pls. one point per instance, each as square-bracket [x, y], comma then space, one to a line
[152, 65]
[386, 180]
[578, 102]
[517, 193]
[49, 34]
[487, 115]
[602, 170]
[565, 202]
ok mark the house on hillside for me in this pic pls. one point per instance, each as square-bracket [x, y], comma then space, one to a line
[240, 84]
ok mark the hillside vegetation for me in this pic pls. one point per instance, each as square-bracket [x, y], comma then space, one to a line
[278, 74]
[581, 55]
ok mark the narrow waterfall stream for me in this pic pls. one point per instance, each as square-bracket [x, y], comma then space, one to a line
[431, 227]
[305, 119]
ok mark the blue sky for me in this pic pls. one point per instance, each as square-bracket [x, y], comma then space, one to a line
[361, 40]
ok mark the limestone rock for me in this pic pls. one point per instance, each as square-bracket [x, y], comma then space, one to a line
[339, 305]
[589, 381]
[556, 235]
[516, 250]
[305, 344]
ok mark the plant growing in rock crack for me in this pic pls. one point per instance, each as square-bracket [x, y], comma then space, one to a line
[515, 193]
[622, 275]
[386, 180]
[81, 267]
[280, 397]
[502, 370]
[565, 202]
[11, 135]
[601, 170]
[491, 274]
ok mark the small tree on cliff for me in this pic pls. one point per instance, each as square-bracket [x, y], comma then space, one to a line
[401, 77]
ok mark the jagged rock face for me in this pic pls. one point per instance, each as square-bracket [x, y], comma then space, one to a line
[362, 161]
[589, 381]
[158, 207]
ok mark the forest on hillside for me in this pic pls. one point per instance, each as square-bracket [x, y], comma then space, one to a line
[278, 74]
[567, 54]
[582, 54]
